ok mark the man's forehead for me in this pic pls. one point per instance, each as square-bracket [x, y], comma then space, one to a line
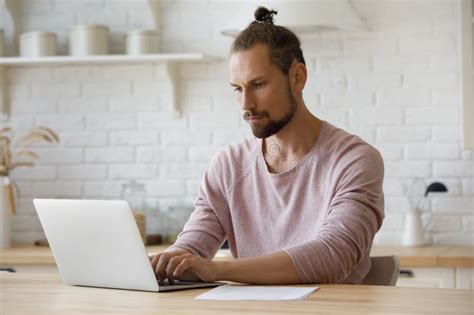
[248, 64]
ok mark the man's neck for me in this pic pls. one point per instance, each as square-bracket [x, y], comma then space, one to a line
[285, 149]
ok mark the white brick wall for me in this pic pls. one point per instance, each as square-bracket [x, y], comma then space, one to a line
[83, 171]
[397, 87]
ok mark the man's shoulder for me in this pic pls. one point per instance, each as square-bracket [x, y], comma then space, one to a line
[348, 146]
[237, 154]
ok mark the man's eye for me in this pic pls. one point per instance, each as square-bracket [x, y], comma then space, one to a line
[237, 89]
[259, 85]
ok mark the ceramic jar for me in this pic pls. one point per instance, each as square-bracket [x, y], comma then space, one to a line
[141, 42]
[38, 44]
[87, 40]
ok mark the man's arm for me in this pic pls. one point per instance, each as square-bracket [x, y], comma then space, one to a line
[355, 214]
[274, 268]
[203, 234]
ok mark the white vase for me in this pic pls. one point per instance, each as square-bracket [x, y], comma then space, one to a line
[5, 216]
[413, 234]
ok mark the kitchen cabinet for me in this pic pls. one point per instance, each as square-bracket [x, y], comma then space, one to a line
[428, 277]
[432, 266]
[28, 259]
[465, 278]
[49, 269]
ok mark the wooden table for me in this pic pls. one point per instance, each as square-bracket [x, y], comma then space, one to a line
[46, 294]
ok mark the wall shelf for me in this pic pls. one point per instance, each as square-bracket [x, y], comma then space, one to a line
[14, 27]
[170, 71]
[103, 59]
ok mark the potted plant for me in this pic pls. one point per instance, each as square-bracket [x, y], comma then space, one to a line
[13, 156]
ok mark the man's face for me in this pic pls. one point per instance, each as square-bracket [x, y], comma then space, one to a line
[262, 90]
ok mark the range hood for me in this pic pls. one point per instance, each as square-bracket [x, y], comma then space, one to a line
[307, 16]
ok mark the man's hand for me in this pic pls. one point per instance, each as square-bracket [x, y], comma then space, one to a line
[183, 265]
[273, 268]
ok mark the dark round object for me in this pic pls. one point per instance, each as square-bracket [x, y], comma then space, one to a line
[436, 187]
[263, 15]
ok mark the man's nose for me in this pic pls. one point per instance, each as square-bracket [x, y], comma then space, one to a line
[247, 101]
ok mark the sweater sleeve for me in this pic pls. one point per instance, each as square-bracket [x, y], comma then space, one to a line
[355, 214]
[203, 233]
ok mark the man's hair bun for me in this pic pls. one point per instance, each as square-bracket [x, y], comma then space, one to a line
[263, 15]
[283, 45]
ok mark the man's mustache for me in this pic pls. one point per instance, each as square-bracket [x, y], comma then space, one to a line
[249, 113]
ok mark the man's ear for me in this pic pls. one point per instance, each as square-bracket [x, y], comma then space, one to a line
[298, 76]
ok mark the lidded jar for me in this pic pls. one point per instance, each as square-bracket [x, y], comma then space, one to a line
[141, 42]
[87, 40]
[38, 44]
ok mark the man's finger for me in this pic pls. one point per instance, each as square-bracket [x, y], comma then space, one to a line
[172, 263]
[184, 265]
[161, 266]
[160, 269]
[154, 260]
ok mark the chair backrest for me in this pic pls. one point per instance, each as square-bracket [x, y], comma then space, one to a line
[384, 271]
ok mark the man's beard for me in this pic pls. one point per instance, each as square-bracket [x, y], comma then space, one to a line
[273, 126]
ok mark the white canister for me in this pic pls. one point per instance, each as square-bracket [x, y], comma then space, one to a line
[2, 45]
[38, 44]
[86, 40]
[141, 42]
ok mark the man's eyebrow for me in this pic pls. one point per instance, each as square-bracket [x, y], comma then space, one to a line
[253, 80]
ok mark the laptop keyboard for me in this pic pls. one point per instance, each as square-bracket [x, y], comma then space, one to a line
[177, 282]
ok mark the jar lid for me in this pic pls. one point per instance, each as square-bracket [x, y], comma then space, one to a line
[89, 26]
[37, 33]
[143, 32]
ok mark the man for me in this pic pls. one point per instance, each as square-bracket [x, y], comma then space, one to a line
[298, 203]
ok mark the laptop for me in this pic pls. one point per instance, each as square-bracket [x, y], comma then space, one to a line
[96, 243]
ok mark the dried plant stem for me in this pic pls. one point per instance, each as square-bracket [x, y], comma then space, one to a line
[15, 165]
[9, 160]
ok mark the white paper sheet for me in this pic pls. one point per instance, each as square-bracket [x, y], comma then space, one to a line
[257, 293]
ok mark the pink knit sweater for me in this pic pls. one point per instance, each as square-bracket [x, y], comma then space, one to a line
[324, 212]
